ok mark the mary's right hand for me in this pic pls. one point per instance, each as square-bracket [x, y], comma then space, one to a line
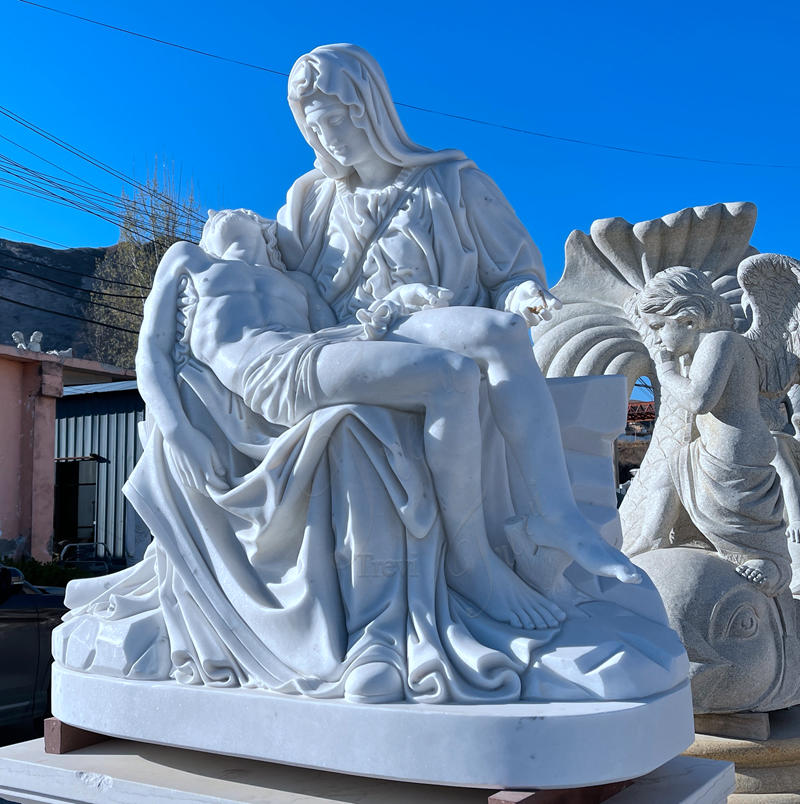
[417, 296]
[196, 461]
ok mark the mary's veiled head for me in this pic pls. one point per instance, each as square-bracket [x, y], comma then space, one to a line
[350, 75]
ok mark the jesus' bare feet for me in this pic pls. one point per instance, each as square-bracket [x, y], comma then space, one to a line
[497, 590]
[573, 534]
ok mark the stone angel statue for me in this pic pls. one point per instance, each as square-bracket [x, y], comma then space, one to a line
[734, 478]
[598, 332]
[724, 477]
[739, 654]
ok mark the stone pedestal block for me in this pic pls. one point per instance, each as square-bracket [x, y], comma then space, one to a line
[766, 771]
[125, 772]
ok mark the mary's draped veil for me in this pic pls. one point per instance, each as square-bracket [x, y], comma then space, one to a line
[350, 74]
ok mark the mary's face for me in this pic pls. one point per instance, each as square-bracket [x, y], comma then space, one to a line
[330, 121]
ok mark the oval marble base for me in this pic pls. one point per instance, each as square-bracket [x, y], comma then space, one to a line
[522, 745]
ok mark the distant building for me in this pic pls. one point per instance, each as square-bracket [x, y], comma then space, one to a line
[31, 382]
[641, 418]
[632, 445]
[97, 446]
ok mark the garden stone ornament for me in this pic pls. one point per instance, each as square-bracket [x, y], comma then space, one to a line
[361, 492]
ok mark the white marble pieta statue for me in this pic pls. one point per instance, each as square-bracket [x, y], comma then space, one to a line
[347, 433]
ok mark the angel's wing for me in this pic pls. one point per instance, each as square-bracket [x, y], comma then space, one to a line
[771, 285]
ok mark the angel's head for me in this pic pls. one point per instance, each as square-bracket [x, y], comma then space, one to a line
[679, 304]
[235, 234]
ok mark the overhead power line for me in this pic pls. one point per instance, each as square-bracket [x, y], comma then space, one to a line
[87, 197]
[47, 195]
[34, 237]
[72, 287]
[159, 41]
[99, 203]
[69, 315]
[465, 118]
[70, 271]
[50, 137]
[47, 161]
[67, 295]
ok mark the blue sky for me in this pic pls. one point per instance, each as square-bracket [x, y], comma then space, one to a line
[705, 79]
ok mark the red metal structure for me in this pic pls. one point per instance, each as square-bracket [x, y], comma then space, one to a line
[639, 411]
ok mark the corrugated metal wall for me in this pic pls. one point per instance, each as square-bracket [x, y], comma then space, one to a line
[103, 424]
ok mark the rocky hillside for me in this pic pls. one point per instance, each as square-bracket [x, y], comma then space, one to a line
[43, 291]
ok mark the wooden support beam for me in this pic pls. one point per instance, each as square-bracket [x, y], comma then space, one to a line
[739, 725]
[60, 738]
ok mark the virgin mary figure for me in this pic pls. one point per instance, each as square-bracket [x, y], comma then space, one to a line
[379, 211]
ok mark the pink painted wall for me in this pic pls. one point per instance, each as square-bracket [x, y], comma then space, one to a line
[45, 386]
[10, 452]
[28, 392]
[30, 384]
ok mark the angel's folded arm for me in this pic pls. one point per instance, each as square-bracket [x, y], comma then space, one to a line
[708, 376]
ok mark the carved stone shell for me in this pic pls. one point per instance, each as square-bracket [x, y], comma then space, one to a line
[593, 333]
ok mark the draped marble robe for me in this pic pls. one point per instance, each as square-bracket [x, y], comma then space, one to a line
[454, 228]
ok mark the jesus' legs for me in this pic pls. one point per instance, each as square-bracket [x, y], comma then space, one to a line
[444, 386]
[524, 413]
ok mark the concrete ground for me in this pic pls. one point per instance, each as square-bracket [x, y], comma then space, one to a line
[18, 734]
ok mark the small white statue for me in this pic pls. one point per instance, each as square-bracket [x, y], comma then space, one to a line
[35, 344]
[32, 345]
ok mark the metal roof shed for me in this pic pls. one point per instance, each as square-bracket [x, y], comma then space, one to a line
[97, 445]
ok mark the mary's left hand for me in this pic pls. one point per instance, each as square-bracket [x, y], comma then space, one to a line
[533, 302]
